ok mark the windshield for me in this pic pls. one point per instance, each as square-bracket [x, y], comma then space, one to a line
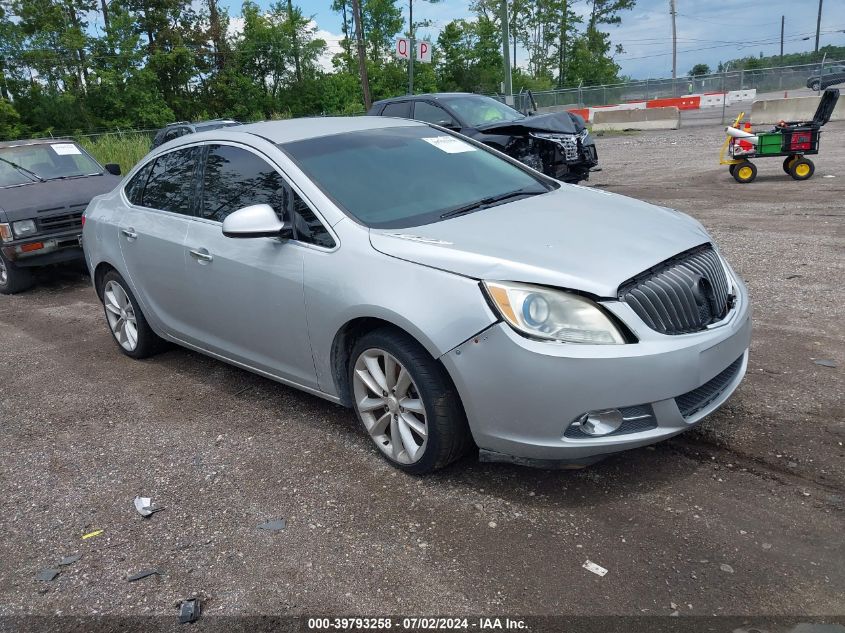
[25, 164]
[476, 110]
[408, 176]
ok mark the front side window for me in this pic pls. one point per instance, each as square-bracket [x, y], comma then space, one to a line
[408, 176]
[170, 186]
[235, 178]
[430, 113]
[478, 111]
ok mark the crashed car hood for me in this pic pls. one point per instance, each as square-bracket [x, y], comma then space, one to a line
[52, 196]
[574, 237]
[559, 122]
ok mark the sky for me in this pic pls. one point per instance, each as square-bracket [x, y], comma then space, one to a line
[709, 31]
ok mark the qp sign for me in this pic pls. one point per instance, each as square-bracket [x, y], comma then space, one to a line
[403, 48]
[424, 52]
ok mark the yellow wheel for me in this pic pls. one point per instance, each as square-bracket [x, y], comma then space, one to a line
[744, 172]
[802, 169]
[787, 162]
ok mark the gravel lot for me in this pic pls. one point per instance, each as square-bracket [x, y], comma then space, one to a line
[742, 516]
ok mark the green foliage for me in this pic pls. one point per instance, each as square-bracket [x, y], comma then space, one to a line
[72, 67]
[699, 69]
[124, 149]
[834, 53]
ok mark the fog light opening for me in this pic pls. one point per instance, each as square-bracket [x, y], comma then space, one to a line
[601, 422]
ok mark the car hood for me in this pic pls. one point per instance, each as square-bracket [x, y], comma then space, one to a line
[53, 196]
[559, 122]
[577, 238]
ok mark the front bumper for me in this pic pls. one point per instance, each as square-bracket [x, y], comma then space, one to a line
[521, 395]
[54, 248]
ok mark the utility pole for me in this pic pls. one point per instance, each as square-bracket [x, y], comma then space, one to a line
[782, 19]
[674, 46]
[411, 55]
[362, 54]
[818, 25]
[506, 53]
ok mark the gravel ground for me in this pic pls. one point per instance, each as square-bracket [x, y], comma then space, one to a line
[742, 516]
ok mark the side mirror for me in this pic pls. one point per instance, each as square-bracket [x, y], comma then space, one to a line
[257, 220]
[112, 168]
[449, 124]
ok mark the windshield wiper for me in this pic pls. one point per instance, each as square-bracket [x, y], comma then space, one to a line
[22, 169]
[490, 201]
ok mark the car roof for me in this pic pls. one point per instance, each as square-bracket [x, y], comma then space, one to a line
[35, 141]
[300, 129]
[428, 95]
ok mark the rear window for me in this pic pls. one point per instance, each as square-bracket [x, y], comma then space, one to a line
[407, 176]
[401, 110]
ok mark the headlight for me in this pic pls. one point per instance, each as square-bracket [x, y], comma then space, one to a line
[5, 232]
[24, 228]
[554, 315]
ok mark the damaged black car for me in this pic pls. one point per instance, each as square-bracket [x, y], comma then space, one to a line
[557, 144]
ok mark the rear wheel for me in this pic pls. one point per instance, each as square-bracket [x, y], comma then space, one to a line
[787, 162]
[802, 169]
[13, 278]
[744, 172]
[127, 324]
[406, 402]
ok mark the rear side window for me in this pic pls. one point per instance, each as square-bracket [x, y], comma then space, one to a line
[134, 190]
[170, 186]
[401, 110]
[235, 178]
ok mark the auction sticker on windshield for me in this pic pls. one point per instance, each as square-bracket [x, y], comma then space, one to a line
[65, 149]
[449, 144]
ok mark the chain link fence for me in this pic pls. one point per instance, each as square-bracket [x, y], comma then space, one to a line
[762, 79]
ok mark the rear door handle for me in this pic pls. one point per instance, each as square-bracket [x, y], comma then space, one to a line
[201, 255]
[129, 233]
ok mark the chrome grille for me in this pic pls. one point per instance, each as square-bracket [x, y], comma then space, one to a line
[686, 293]
[694, 401]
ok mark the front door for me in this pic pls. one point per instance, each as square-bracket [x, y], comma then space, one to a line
[247, 294]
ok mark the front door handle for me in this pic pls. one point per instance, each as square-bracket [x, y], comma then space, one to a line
[201, 255]
[130, 234]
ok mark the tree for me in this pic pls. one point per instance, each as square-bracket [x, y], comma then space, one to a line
[699, 69]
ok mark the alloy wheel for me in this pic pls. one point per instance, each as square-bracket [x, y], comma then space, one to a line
[390, 406]
[4, 273]
[121, 316]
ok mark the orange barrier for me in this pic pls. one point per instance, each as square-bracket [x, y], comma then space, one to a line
[682, 103]
[584, 113]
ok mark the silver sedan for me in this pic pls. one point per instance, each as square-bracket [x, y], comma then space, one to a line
[451, 296]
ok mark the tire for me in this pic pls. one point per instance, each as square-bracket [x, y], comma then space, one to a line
[745, 172]
[436, 409]
[788, 161]
[124, 308]
[816, 85]
[731, 169]
[802, 169]
[13, 279]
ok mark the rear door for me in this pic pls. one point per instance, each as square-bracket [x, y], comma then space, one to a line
[247, 294]
[152, 235]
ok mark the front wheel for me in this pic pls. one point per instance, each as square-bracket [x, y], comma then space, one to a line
[787, 162]
[815, 86]
[126, 322]
[744, 172]
[406, 402]
[13, 279]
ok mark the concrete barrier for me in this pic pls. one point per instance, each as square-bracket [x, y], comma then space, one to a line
[794, 109]
[668, 118]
